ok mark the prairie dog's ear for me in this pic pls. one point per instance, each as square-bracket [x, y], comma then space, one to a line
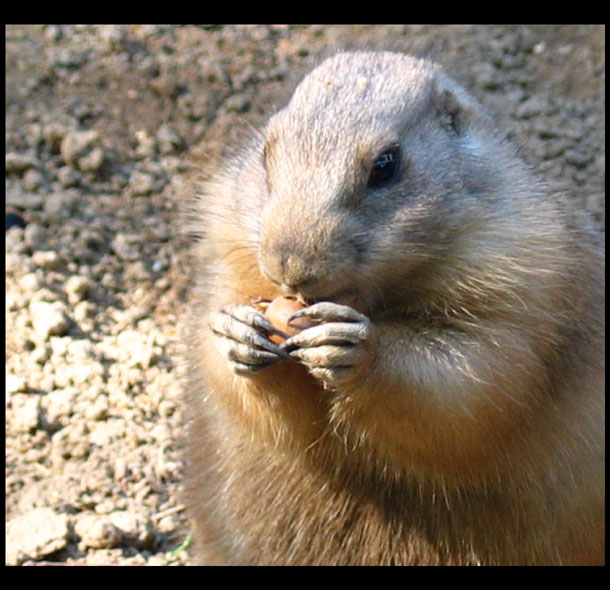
[457, 110]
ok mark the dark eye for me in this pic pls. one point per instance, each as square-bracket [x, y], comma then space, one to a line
[384, 167]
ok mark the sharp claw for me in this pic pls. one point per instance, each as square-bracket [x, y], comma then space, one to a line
[289, 346]
[327, 311]
[295, 354]
[261, 322]
[264, 365]
[265, 344]
[297, 314]
[248, 369]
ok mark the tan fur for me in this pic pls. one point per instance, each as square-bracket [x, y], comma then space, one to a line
[473, 430]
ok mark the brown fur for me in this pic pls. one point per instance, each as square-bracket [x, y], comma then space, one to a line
[473, 430]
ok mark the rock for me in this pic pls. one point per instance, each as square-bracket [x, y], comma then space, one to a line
[169, 139]
[49, 319]
[83, 312]
[75, 146]
[53, 135]
[18, 163]
[59, 206]
[33, 180]
[30, 283]
[578, 158]
[147, 145]
[68, 57]
[17, 197]
[41, 355]
[15, 383]
[137, 272]
[532, 107]
[98, 410]
[141, 183]
[113, 35]
[135, 528]
[93, 161]
[35, 236]
[34, 135]
[24, 415]
[96, 531]
[238, 103]
[76, 288]
[124, 249]
[59, 406]
[68, 177]
[137, 349]
[53, 32]
[48, 259]
[35, 534]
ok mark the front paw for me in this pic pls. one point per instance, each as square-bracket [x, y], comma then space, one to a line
[241, 337]
[336, 349]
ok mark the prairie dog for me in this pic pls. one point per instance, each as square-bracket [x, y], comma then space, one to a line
[448, 407]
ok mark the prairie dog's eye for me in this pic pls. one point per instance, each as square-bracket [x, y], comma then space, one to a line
[384, 167]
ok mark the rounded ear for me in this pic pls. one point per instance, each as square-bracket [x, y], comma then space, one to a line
[458, 110]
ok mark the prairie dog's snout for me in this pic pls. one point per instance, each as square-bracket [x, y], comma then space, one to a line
[309, 236]
[312, 258]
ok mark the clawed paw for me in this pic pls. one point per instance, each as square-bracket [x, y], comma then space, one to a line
[241, 336]
[336, 347]
[332, 350]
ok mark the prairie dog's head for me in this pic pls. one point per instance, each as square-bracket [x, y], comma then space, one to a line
[372, 169]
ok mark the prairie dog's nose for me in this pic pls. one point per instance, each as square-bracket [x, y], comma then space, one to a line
[288, 269]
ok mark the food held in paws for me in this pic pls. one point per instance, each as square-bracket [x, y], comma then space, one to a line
[278, 312]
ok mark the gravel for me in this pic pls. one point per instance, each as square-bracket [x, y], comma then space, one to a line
[106, 129]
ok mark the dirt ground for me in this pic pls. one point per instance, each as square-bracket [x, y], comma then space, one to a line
[106, 126]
